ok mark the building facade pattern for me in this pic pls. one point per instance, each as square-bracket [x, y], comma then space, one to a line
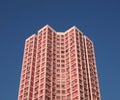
[59, 66]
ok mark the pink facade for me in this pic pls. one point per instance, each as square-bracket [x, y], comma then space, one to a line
[59, 66]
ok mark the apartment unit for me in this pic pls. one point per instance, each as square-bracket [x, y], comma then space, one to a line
[59, 66]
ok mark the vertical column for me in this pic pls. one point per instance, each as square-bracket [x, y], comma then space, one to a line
[67, 60]
[79, 70]
[62, 68]
[81, 65]
[58, 74]
[48, 91]
[40, 68]
[37, 75]
[73, 65]
[92, 73]
[28, 68]
[54, 68]
[88, 69]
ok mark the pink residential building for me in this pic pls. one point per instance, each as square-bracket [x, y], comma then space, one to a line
[59, 66]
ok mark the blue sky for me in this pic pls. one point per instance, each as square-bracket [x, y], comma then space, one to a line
[99, 20]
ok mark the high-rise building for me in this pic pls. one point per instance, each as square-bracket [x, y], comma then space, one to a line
[59, 66]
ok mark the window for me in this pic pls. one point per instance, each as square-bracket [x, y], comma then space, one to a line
[62, 70]
[58, 75]
[58, 86]
[58, 70]
[58, 97]
[58, 56]
[63, 91]
[63, 86]
[58, 91]
[58, 60]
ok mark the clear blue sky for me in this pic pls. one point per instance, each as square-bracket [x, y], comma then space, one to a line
[98, 19]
